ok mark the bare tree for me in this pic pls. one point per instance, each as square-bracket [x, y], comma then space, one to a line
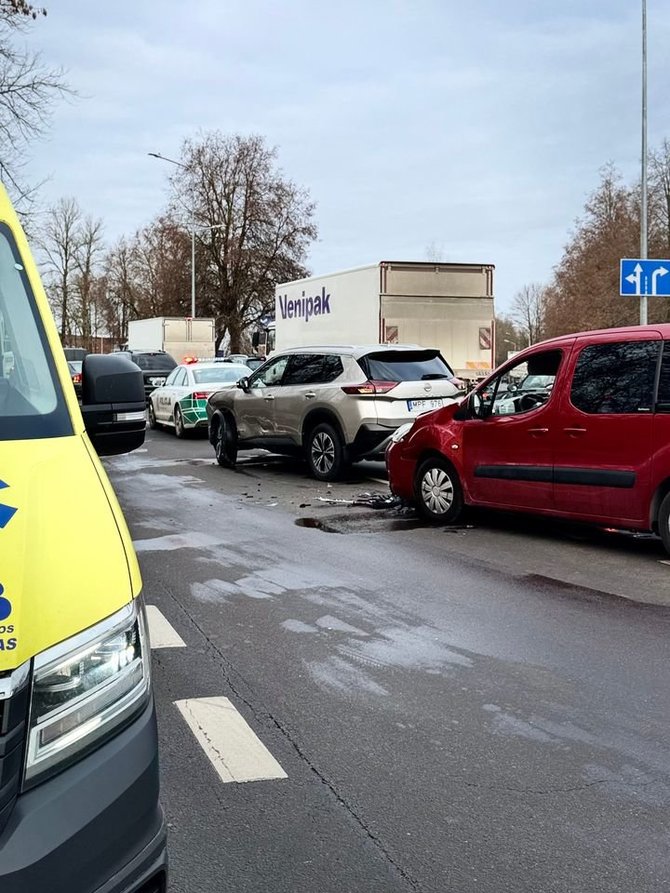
[659, 195]
[59, 241]
[507, 337]
[434, 252]
[261, 226]
[28, 88]
[528, 312]
[87, 287]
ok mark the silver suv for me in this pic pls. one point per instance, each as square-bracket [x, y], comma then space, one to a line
[332, 405]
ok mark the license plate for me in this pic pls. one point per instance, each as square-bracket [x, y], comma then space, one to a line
[425, 405]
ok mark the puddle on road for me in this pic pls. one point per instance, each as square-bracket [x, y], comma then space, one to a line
[367, 523]
[315, 524]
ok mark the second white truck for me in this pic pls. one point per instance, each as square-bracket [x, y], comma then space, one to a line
[179, 336]
[446, 306]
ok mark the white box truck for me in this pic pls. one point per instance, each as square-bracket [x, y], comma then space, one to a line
[177, 335]
[446, 306]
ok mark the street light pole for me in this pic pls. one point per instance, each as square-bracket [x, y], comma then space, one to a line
[643, 201]
[193, 273]
[180, 164]
[194, 229]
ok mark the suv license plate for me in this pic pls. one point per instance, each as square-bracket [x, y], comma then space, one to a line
[425, 405]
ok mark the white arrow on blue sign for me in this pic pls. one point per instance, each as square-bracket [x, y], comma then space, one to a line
[644, 278]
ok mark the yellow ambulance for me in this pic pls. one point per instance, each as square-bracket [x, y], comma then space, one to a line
[79, 805]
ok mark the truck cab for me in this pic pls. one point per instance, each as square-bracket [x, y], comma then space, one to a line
[79, 789]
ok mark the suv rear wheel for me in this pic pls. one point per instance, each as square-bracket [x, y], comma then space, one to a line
[326, 453]
[225, 445]
[437, 491]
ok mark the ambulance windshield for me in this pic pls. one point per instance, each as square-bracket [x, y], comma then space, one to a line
[30, 400]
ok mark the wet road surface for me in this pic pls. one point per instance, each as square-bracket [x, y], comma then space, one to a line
[479, 709]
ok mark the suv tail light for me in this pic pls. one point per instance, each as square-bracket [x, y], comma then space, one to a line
[370, 387]
[76, 378]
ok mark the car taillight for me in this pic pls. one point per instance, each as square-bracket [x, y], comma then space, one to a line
[370, 387]
[76, 378]
[199, 395]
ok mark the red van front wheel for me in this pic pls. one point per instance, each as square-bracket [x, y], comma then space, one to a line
[437, 491]
[664, 522]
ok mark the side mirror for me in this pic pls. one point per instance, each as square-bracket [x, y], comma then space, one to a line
[244, 385]
[113, 403]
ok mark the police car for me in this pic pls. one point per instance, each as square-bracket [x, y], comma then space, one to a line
[181, 402]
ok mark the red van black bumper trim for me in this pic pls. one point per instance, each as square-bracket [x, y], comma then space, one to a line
[546, 474]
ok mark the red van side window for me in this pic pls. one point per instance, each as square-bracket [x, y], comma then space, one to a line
[616, 378]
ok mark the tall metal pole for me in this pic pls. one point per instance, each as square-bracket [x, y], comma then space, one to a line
[643, 202]
[193, 272]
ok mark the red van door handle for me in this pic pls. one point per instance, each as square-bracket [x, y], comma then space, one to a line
[537, 431]
[575, 432]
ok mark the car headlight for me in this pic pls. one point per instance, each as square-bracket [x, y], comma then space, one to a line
[401, 432]
[85, 688]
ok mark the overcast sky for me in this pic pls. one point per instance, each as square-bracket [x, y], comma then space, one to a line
[478, 127]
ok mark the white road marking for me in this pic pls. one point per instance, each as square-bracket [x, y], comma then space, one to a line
[161, 633]
[234, 750]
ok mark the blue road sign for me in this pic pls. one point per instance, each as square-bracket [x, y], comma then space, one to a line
[644, 278]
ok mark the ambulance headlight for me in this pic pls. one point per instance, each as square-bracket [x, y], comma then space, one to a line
[86, 689]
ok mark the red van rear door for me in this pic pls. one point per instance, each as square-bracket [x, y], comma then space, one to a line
[603, 444]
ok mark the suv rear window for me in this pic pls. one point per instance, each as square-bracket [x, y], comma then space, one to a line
[151, 362]
[405, 365]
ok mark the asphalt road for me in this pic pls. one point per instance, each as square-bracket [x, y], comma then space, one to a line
[481, 708]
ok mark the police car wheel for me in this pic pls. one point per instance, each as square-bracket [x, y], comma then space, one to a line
[153, 424]
[225, 446]
[179, 428]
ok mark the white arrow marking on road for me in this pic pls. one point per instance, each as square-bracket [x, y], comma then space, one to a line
[161, 633]
[659, 271]
[233, 749]
[636, 278]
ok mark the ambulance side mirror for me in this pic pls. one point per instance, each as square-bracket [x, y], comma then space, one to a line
[113, 403]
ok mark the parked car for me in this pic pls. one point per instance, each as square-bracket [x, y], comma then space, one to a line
[332, 405]
[156, 365]
[238, 358]
[510, 397]
[75, 367]
[595, 447]
[181, 402]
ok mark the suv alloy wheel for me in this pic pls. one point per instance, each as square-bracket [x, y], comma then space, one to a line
[326, 454]
[225, 446]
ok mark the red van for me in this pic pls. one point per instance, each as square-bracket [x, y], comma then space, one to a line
[590, 441]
